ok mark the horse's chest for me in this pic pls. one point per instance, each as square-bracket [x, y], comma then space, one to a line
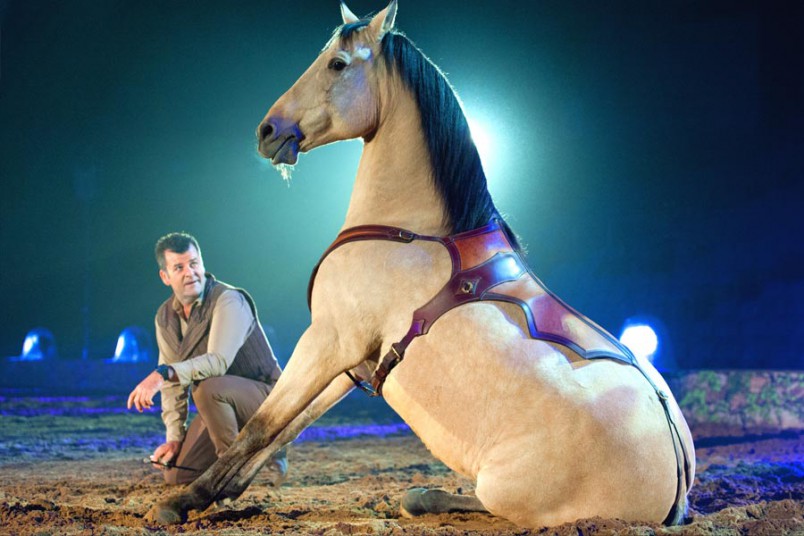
[381, 279]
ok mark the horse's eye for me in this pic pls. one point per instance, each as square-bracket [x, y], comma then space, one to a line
[337, 64]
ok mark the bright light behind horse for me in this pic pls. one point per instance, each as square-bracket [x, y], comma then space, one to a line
[483, 141]
[493, 166]
[640, 339]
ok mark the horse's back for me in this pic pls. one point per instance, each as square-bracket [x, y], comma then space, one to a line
[549, 436]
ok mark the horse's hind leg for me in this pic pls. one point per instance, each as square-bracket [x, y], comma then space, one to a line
[420, 501]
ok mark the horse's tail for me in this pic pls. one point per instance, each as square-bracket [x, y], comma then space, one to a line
[679, 512]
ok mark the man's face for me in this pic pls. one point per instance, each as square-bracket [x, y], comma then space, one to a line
[184, 273]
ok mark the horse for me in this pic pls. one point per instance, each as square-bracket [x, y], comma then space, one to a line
[425, 298]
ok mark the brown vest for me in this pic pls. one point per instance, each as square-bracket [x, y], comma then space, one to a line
[255, 359]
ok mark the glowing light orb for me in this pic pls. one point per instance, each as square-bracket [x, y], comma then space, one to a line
[641, 339]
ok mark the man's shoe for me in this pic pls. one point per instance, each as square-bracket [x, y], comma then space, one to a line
[278, 469]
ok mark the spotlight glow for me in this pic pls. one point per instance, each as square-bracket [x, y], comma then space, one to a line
[28, 346]
[641, 339]
[483, 141]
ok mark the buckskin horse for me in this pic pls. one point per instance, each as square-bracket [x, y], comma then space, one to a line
[426, 299]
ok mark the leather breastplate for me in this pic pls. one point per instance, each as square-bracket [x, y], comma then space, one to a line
[486, 267]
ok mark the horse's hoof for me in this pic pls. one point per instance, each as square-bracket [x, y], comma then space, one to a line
[419, 501]
[162, 514]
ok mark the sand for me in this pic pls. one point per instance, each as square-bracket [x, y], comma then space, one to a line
[74, 466]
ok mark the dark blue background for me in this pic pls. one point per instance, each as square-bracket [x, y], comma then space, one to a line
[649, 154]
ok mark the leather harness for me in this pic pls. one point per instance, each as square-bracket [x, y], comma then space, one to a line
[486, 267]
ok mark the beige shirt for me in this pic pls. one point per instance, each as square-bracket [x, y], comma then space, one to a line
[232, 323]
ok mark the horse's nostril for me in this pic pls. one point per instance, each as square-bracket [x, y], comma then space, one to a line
[266, 130]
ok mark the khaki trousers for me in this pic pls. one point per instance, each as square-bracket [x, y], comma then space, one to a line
[225, 404]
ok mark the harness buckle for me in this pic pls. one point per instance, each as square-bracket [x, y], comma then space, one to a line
[361, 384]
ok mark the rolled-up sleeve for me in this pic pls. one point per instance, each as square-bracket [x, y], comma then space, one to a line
[232, 323]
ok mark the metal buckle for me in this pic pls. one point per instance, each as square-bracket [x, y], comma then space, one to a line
[362, 384]
[368, 389]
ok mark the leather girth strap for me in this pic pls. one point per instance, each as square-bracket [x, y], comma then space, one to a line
[485, 267]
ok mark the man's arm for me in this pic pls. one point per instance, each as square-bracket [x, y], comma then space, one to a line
[232, 323]
[174, 396]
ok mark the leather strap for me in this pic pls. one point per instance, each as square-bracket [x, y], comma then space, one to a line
[682, 456]
[363, 232]
[468, 285]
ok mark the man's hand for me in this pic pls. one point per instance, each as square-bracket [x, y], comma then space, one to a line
[142, 397]
[166, 453]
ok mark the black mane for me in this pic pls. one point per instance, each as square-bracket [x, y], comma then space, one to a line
[457, 170]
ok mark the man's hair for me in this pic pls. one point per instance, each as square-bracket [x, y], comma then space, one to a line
[175, 242]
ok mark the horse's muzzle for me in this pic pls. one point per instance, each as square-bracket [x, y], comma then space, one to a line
[279, 140]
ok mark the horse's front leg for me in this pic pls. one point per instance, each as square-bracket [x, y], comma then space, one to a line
[316, 361]
[335, 391]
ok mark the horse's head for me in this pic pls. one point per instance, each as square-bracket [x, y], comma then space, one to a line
[336, 98]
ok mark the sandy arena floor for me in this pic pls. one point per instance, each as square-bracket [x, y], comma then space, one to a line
[74, 466]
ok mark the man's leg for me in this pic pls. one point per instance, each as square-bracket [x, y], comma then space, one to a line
[197, 452]
[226, 403]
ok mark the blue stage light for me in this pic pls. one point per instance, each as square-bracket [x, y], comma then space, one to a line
[641, 339]
[133, 346]
[39, 345]
[648, 338]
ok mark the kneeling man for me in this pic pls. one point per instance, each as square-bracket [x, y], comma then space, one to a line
[211, 344]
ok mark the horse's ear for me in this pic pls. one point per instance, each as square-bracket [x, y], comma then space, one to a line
[346, 13]
[383, 21]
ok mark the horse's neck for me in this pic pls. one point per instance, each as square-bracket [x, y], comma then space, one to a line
[394, 184]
